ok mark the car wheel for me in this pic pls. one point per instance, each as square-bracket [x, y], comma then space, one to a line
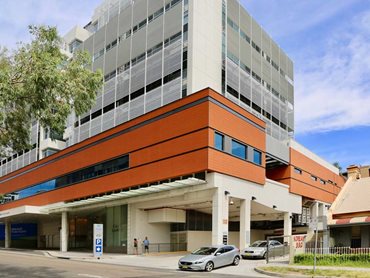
[209, 266]
[236, 260]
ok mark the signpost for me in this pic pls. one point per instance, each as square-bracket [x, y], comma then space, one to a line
[98, 240]
[313, 225]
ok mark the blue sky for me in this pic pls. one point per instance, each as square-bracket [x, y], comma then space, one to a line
[329, 42]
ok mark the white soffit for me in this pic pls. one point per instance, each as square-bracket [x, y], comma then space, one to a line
[127, 194]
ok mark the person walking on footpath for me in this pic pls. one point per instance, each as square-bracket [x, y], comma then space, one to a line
[135, 247]
[146, 245]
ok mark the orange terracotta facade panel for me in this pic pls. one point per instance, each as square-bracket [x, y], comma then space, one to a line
[164, 169]
[147, 135]
[225, 163]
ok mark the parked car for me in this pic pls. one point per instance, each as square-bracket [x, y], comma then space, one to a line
[258, 249]
[210, 257]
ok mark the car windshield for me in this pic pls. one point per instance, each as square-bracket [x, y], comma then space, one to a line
[259, 244]
[205, 251]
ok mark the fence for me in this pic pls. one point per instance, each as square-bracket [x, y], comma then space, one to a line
[165, 247]
[338, 251]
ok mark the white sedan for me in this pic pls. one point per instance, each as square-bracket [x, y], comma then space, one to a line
[259, 248]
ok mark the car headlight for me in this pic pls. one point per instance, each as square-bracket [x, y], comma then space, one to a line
[199, 262]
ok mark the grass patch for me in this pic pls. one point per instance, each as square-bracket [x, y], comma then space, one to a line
[319, 272]
[349, 260]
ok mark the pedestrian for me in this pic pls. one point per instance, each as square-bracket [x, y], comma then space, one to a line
[135, 247]
[146, 245]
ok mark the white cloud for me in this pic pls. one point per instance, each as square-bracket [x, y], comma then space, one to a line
[285, 18]
[15, 16]
[333, 92]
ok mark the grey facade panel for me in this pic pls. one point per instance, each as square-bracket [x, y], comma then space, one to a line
[125, 18]
[99, 63]
[123, 52]
[139, 11]
[112, 30]
[154, 5]
[245, 53]
[232, 41]
[256, 33]
[99, 39]
[233, 10]
[89, 45]
[110, 60]
[138, 43]
[173, 21]
[155, 32]
[246, 22]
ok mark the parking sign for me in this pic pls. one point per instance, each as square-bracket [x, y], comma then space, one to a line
[98, 240]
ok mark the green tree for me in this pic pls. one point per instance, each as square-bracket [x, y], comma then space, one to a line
[39, 82]
[337, 165]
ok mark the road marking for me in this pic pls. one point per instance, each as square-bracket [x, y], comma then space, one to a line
[89, 275]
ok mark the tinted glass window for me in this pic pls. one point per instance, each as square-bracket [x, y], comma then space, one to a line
[238, 149]
[94, 171]
[204, 251]
[219, 141]
[257, 157]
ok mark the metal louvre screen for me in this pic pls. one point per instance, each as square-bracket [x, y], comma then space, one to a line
[267, 102]
[123, 84]
[153, 99]
[33, 156]
[154, 68]
[256, 93]
[84, 131]
[98, 104]
[172, 91]
[137, 107]
[232, 75]
[122, 114]
[95, 126]
[109, 97]
[108, 120]
[245, 84]
[172, 58]
[138, 76]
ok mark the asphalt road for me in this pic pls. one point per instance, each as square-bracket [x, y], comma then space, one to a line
[23, 264]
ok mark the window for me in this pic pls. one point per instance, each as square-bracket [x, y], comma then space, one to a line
[297, 171]
[74, 45]
[257, 157]
[313, 178]
[219, 141]
[48, 152]
[110, 166]
[322, 181]
[238, 149]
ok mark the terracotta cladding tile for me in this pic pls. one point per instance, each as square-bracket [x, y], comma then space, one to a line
[164, 129]
[237, 108]
[225, 163]
[233, 126]
[303, 189]
[306, 164]
[186, 143]
[164, 169]
[157, 112]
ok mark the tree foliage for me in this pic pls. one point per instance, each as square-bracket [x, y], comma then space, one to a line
[337, 165]
[40, 83]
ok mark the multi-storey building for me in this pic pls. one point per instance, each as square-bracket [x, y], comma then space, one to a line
[189, 142]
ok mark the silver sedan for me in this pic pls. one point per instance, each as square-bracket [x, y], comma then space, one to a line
[210, 257]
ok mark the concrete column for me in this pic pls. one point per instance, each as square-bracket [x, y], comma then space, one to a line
[220, 217]
[245, 224]
[8, 234]
[64, 232]
[287, 225]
